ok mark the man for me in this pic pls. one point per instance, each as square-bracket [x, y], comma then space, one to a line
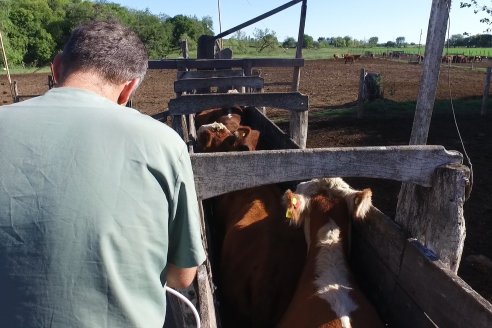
[96, 199]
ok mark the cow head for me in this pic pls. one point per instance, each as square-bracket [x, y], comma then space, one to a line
[229, 116]
[216, 137]
[358, 202]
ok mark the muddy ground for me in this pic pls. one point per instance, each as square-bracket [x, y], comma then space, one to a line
[332, 84]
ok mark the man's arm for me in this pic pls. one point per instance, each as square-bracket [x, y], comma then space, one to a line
[179, 277]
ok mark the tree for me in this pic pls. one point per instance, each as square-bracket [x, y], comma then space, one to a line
[477, 8]
[373, 41]
[456, 40]
[289, 42]
[390, 44]
[400, 41]
[308, 41]
[265, 39]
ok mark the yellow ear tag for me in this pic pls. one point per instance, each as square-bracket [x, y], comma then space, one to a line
[294, 202]
[288, 214]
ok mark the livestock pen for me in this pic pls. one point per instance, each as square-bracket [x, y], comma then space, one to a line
[412, 282]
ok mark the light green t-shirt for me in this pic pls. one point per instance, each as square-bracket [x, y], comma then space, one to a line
[95, 200]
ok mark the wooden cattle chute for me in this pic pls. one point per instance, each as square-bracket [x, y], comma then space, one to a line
[409, 283]
[411, 278]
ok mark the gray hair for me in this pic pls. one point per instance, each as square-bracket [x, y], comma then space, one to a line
[107, 48]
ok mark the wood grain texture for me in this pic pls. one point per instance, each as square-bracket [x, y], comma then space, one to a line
[435, 215]
[189, 104]
[219, 173]
[440, 293]
[225, 63]
[186, 85]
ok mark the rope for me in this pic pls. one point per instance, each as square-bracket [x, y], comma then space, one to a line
[470, 187]
[187, 302]
[4, 58]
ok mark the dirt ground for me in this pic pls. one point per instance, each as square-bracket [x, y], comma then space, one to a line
[332, 84]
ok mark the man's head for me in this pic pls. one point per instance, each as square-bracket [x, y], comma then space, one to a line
[109, 51]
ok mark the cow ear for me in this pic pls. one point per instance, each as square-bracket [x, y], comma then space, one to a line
[247, 139]
[205, 140]
[362, 203]
[292, 203]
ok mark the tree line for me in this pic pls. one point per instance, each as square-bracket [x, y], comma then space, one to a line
[35, 30]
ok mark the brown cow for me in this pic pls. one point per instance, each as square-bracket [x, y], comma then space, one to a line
[216, 137]
[229, 116]
[261, 257]
[349, 58]
[327, 294]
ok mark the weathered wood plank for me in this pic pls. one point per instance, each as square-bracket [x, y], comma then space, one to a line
[218, 173]
[272, 137]
[390, 248]
[441, 294]
[184, 85]
[189, 104]
[377, 280]
[437, 220]
[225, 63]
[209, 74]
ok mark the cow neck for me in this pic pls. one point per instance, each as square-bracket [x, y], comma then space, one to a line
[328, 256]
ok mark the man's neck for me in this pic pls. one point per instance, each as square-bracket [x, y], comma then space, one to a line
[93, 82]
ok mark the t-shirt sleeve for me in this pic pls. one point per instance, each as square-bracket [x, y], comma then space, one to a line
[185, 242]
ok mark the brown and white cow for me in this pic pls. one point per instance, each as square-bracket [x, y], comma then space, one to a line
[327, 294]
[261, 258]
[216, 137]
[229, 116]
[349, 58]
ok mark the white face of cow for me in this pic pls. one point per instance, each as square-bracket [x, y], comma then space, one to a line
[358, 202]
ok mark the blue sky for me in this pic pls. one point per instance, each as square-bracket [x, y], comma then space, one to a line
[360, 19]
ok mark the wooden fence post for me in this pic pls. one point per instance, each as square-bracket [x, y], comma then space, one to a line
[435, 217]
[362, 93]
[298, 125]
[486, 88]
[184, 49]
[410, 218]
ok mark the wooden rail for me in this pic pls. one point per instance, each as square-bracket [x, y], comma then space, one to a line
[254, 82]
[240, 170]
[212, 64]
[189, 104]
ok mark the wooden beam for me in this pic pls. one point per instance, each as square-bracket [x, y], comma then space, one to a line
[189, 104]
[434, 46]
[219, 173]
[257, 19]
[184, 85]
[436, 219]
[186, 75]
[441, 294]
[298, 123]
[225, 63]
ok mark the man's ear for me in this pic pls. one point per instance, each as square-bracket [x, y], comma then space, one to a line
[56, 68]
[127, 91]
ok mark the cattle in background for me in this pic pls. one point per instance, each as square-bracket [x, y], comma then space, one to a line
[261, 258]
[336, 56]
[459, 59]
[447, 59]
[327, 294]
[349, 58]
